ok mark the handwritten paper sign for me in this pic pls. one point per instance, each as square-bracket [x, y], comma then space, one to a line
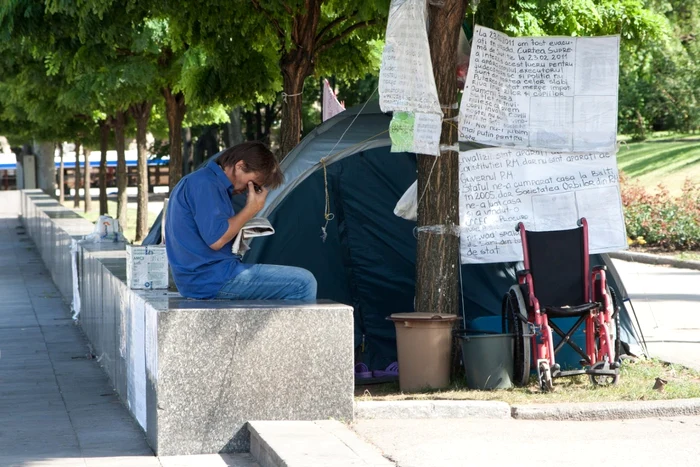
[554, 93]
[406, 81]
[544, 190]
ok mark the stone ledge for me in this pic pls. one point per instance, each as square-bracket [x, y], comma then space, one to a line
[607, 410]
[431, 409]
[311, 444]
[647, 258]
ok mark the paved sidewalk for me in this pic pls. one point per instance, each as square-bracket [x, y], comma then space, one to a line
[57, 407]
[667, 302]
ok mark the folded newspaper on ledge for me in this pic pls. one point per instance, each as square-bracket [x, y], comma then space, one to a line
[256, 227]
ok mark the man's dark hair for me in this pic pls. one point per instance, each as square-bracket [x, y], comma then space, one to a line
[256, 157]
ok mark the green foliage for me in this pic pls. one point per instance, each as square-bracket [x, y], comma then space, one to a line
[659, 220]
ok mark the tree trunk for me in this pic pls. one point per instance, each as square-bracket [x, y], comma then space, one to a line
[249, 133]
[437, 261]
[187, 152]
[104, 142]
[76, 196]
[175, 109]
[293, 75]
[141, 112]
[119, 122]
[88, 170]
[61, 176]
[296, 65]
[234, 135]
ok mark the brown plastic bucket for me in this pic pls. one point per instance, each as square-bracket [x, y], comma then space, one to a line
[424, 345]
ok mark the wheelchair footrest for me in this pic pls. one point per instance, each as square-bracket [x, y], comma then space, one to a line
[565, 373]
[602, 372]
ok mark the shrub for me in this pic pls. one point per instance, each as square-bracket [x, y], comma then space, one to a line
[660, 220]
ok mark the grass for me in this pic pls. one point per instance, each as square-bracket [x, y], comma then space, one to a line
[664, 158]
[93, 215]
[637, 378]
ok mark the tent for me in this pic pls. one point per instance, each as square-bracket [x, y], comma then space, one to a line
[366, 258]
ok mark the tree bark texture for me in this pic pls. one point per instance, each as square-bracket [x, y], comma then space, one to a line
[119, 122]
[61, 176]
[437, 261]
[77, 178]
[104, 143]
[141, 112]
[86, 184]
[175, 109]
[297, 63]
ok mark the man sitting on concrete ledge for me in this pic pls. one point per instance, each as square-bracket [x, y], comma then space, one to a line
[201, 225]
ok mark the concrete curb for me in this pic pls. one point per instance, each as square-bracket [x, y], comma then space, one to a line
[368, 410]
[654, 259]
[431, 409]
[607, 410]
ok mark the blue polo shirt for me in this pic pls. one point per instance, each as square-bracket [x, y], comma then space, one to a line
[197, 216]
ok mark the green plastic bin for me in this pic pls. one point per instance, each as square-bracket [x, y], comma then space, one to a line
[488, 360]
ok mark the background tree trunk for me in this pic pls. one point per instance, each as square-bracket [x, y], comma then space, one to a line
[141, 112]
[104, 143]
[175, 109]
[77, 178]
[119, 122]
[88, 197]
[437, 261]
[234, 135]
[187, 151]
[61, 176]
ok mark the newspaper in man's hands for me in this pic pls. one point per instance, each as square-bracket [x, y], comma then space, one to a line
[256, 227]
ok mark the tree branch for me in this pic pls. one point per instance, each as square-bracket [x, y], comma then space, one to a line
[326, 45]
[333, 24]
[275, 23]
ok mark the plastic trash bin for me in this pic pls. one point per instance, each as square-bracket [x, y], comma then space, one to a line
[424, 344]
[488, 360]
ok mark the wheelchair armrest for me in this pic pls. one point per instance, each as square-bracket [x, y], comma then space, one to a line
[524, 272]
[600, 268]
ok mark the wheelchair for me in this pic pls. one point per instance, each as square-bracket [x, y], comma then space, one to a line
[557, 282]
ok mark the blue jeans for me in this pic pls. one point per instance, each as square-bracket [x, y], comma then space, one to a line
[270, 282]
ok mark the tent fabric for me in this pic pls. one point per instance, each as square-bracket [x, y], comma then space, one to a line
[368, 257]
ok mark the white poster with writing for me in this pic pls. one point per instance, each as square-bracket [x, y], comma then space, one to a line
[550, 93]
[406, 81]
[500, 187]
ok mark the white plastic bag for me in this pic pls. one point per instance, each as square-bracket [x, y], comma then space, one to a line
[407, 207]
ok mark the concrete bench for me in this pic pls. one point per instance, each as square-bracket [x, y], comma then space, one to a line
[194, 372]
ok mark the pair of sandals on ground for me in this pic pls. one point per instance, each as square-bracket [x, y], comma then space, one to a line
[362, 372]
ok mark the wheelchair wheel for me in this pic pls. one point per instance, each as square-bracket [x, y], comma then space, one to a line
[603, 380]
[544, 375]
[515, 315]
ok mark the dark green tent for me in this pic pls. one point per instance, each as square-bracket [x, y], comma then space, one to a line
[367, 258]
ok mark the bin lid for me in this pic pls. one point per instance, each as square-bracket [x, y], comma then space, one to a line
[423, 317]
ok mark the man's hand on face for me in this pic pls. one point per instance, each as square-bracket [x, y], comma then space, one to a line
[256, 199]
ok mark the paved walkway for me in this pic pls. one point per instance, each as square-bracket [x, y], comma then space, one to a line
[57, 407]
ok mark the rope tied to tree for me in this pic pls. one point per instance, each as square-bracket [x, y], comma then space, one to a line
[285, 95]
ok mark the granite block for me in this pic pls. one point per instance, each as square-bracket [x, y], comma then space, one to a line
[221, 366]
